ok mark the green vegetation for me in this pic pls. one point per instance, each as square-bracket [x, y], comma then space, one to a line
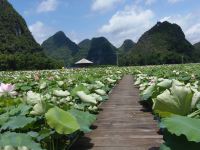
[172, 93]
[84, 48]
[35, 105]
[197, 46]
[99, 50]
[18, 49]
[127, 46]
[102, 52]
[165, 43]
[59, 47]
[51, 109]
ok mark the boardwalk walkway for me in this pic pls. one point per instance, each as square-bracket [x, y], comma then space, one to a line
[122, 125]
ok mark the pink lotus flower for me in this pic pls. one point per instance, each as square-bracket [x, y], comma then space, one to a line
[7, 89]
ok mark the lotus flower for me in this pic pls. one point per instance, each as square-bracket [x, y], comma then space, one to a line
[7, 89]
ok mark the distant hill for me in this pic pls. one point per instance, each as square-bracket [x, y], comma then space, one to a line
[84, 48]
[197, 46]
[127, 45]
[60, 47]
[99, 50]
[102, 52]
[164, 43]
[85, 44]
[18, 49]
[196, 54]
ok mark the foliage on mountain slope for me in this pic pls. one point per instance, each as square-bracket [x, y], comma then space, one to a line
[18, 49]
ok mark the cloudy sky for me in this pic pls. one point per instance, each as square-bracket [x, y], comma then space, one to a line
[115, 19]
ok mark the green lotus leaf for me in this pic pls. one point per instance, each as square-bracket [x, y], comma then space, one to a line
[178, 101]
[63, 122]
[195, 99]
[4, 118]
[44, 133]
[17, 140]
[85, 119]
[166, 83]
[174, 142]
[181, 125]
[17, 122]
[26, 88]
[164, 147]
[138, 81]
[21, 109]
[79, 88]
[148, 92]
[86, 98]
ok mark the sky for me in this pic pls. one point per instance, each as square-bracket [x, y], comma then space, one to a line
[116, 20]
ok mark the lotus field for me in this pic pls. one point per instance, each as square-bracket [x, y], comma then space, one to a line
[172, 92]
[51, 109]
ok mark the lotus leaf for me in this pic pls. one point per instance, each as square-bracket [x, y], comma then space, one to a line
[63, 122]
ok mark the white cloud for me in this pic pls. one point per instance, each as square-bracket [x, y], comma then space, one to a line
[193, 33]
[174, 1]
[190, 24]
[149, 2]
[129, 23]
[146, 2]
[73, 36]
[102, 5]
[47, 5]
[40, 31]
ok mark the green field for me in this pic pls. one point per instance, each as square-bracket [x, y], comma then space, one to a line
[51, 109]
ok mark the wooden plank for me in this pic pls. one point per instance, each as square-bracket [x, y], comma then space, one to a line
[122, 124]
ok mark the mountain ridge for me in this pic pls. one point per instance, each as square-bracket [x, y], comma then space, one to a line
[127, 45]
[164, 43]
[59, 46]
[102, 52]
[18, 48]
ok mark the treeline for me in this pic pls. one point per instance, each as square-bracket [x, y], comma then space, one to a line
[27, 61]
[155, 58]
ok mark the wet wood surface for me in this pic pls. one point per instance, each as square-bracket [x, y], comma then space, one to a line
[123, 124]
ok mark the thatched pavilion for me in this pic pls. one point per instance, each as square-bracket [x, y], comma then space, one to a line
[83, 63]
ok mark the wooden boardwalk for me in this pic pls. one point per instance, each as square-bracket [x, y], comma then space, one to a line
[122, 124]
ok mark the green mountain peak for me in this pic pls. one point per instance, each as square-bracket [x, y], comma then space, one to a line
[18, 48]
